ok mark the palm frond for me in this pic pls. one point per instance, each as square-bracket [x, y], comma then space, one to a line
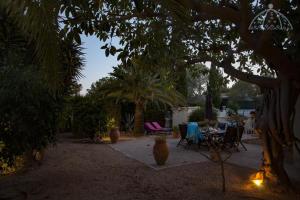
[38, 19]
[137, 83]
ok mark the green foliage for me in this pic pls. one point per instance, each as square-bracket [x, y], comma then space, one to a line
[155, 112]
[215, 83]
[198, 115]
[138, 84]
[28, 112]
[29, 108]
[88, 116]
[243, 89]
[38, 20]
[111, 123]
[240, 94]
[233, 105]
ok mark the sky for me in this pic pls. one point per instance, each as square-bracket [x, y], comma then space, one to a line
[97, 65]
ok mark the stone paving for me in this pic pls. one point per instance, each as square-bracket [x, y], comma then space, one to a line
[140, 149]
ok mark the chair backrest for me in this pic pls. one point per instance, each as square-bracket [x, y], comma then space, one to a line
[183, 130]
[149, 127]
[156, 125]
[233, 134]
[230, 135]
[222, 126]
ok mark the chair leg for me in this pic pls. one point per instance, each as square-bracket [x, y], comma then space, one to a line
[243, 146]
[188, 144]
[179, 142]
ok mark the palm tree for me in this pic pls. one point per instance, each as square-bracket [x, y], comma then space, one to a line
[39, 21]
[140, 86]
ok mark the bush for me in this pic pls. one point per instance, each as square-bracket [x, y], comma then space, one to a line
[88, 117]
[28, 113]
[198, 115]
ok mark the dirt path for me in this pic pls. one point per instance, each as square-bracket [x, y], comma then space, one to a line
[73, 171]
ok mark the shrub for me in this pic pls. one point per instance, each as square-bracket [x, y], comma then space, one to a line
[28, 113]
[198, 115]
[88, 117]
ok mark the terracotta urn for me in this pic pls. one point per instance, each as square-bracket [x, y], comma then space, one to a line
[38, 155]
[175, 134]
[160, 150]
[114, 135]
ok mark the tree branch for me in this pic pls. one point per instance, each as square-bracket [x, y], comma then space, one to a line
[250, 78]
[264, 48]
[203, 59]
[211, 12]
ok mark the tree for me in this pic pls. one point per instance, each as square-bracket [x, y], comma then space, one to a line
[137, 84]
[280, 92]
[218, 31]
[29, 108]
[241, 91]
[197, 78]
[214, 84]
[203, 31]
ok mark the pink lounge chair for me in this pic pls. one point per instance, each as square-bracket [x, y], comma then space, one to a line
[150, 128]
[157, 126]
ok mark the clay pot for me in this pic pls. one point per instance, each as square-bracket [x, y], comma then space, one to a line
[38, 155]
[175, 134]
[160, 151]
[114, 135]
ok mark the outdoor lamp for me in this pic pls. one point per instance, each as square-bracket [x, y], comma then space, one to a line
[258, 178]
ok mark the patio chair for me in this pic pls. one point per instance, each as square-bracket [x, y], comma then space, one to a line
[150, 128]
[157, 126]
[233, 137]
[222, 127]
[183, 132]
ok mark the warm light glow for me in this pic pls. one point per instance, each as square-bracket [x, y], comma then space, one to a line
[257, 182]
[258, 178]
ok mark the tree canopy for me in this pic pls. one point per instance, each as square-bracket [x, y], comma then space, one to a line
[178, 33]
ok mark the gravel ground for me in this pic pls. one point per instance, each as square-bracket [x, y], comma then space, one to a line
[73, 170]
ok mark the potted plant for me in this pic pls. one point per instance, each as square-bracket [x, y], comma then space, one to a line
[175, 132]
[114, 132]
[38, 154]
[160, 150]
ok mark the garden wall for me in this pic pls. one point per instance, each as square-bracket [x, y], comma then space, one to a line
[181, 114]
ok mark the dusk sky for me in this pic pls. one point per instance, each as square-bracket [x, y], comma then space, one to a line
[97, 64]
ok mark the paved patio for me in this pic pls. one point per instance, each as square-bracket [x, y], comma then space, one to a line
[140, 149]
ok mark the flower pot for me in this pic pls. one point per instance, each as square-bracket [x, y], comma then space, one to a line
[160, 151]
[114, 135]
[175, 134]
[38, 155]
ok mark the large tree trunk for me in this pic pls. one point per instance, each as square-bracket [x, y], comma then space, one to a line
[139, 119]
[275, 125]
[275, 120]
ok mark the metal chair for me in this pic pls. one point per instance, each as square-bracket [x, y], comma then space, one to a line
[183, 132]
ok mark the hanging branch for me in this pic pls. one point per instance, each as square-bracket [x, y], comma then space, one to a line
[264, 82]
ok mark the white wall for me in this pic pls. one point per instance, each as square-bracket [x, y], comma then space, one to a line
[245, 112]
[181, 114]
